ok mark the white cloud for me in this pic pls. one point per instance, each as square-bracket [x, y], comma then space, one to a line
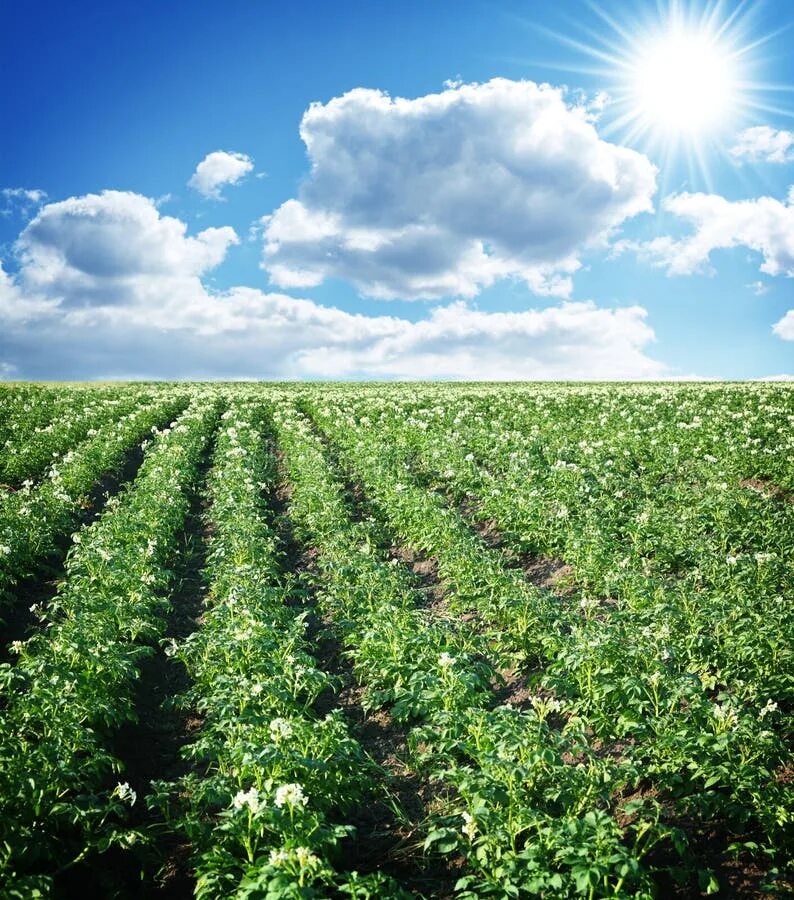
[782, 377]
[20, 200]
[247, 333]
[570, 341]
[759, 288]
[113, 247]
[217, 170]
[109, 287]
[785, 327]
[764, 225]
[17, 306]
[764, 144]
[443, 195]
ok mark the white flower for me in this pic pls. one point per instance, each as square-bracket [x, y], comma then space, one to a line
[249, 799]
[279, 730]
[731, 560]
[725, 716]
[5, 550]
[470, 826]
[446, 661]
[469, 457]
[305, 856]
[764, 557]
[125, 793]
[290, 795]
[770, 707]
[545, 705]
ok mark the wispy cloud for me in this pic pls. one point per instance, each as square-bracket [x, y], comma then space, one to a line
[764, 144]
[765, 225]
[20, 201]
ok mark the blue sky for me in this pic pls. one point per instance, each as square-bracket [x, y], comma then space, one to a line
[435, 236]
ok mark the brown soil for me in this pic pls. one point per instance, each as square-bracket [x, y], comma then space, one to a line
[548, 573]
[426, 578]
[767, 488]
[512, 690]
[739, 875]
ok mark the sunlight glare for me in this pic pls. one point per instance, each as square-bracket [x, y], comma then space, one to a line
[679, 77]
[683, 81]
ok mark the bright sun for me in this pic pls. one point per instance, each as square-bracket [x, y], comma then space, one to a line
[683, 81]
[677, 76]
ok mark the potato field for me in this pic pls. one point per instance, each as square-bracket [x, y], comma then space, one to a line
[396, 640]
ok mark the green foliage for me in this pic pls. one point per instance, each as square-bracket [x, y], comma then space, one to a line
[617, 727]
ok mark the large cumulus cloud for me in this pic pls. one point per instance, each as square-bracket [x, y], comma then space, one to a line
[442, 195]
[112, 247]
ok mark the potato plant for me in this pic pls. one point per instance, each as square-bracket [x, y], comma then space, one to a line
[34, 518]
[265, 808]
[72, 685]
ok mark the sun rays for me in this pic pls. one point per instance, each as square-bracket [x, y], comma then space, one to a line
[681, 78]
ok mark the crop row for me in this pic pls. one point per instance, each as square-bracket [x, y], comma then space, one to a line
[72, 686]
[25, 408]
[28, 455]
[35, 518]
[271, 782]
[519, 617]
